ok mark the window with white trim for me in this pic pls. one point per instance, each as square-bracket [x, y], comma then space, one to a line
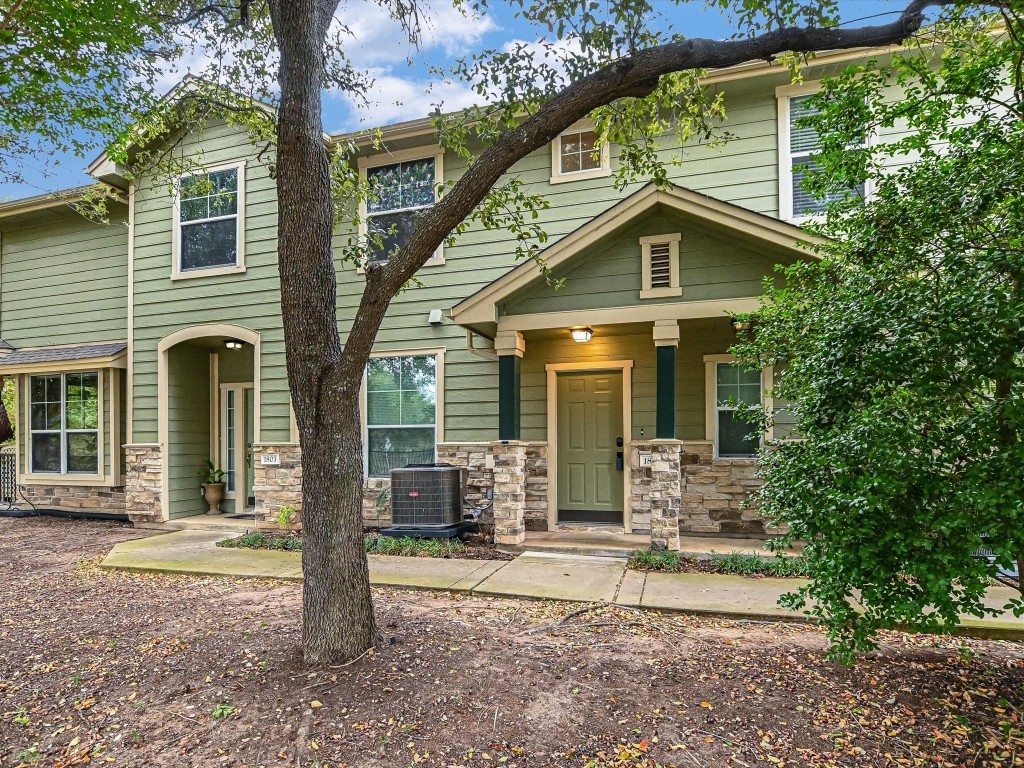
[735, 386]
[799, 144]
[209, 226]
[64, 422]
[576, 154]
[659, 256]
[400, 192]
[401, 412]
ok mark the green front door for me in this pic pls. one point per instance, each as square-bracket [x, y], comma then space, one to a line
[590, 475]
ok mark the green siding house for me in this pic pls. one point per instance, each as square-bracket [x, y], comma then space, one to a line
[143, 347]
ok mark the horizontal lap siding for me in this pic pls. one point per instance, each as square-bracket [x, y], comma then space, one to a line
[188, 423]
[251, 300]
[743, 172]
[64, 280]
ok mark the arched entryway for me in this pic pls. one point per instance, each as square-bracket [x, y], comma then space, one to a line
[209, 408]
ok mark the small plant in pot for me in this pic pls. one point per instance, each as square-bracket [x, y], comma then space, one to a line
[212, 480]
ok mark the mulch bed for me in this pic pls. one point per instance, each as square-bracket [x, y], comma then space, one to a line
[123, 669]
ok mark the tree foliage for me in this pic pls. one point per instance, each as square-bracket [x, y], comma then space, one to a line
[901, 351]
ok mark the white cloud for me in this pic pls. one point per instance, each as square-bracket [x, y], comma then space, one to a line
[393, 99]
[377, 39]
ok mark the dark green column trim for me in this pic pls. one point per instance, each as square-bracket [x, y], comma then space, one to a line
[665, 424]
[509, 413]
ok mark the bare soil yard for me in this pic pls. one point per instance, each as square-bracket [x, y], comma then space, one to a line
[106, 668]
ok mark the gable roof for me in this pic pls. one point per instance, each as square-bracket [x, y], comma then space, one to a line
[481, 307]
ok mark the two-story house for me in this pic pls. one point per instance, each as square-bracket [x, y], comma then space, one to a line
[145, 346]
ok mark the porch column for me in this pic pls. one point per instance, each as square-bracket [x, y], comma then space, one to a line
[666, 339]
[510, 346]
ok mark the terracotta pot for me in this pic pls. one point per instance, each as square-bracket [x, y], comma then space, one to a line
[214, 495]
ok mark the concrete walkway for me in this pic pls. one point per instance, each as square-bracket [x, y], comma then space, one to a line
[531, 575]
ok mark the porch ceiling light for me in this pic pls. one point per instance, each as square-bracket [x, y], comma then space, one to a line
[233, 343]
[581, 335]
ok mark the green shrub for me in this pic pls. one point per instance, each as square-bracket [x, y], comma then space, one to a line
[375, 544]
[410, 547]
[258, 540]
[746, 564]
[740, 563]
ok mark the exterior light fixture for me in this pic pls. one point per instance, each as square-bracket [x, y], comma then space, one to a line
[233, 344]
[741, 324]
[581, 335]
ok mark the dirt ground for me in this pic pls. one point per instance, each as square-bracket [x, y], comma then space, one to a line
[121, 669]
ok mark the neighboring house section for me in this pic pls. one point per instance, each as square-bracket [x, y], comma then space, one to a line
[146, 346]
[64, 304]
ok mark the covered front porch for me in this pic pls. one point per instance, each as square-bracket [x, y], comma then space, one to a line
[617, 393]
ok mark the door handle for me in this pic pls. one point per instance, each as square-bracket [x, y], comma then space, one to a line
[618, 461]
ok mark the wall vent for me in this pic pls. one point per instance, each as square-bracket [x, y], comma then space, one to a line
[661, 265]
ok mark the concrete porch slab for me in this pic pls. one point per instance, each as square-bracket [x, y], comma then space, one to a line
[557, 577]
[590, 543]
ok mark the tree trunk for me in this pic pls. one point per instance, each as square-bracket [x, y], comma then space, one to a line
[338, 622]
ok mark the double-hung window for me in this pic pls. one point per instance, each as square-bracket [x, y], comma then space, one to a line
[399, 193]
[401, 412]
[735, 387]
[64, 423]
[210, 222]
[798, 144]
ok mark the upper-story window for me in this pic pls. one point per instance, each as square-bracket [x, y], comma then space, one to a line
[576, 154]
[798, 144]
[209, 230]
[402, 186]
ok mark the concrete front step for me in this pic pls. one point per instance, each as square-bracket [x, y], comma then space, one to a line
[594, 544]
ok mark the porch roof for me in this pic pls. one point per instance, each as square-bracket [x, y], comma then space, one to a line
[480, 311]
[70, 357]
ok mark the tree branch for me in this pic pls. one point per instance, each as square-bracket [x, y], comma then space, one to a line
[633, 76]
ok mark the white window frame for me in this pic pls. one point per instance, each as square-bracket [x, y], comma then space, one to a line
[402, 156]
[711, 363]
[438, 354]
[63, 432]
[239, 266]
[558, 177]
[673, 289]
[783, 94]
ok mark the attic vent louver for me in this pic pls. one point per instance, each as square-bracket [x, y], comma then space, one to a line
[661, 265]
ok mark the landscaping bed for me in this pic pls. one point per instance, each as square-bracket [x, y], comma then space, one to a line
[735, 563]
[376, 544]
[137, 669]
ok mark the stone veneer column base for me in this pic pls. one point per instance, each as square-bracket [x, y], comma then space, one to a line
[509, 492]
[656, 490]
[277, 485]
[143, 482]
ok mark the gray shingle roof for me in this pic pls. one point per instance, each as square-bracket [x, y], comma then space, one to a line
[61, 354]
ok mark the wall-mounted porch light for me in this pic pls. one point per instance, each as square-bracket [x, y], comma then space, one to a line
[581, 335]
[234, 343]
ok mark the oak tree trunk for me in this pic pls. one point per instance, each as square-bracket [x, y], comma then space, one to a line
[338, 622]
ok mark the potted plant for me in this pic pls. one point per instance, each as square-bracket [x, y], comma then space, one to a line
[212, 480]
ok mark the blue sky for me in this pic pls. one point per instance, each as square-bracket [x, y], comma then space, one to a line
[404, 89]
